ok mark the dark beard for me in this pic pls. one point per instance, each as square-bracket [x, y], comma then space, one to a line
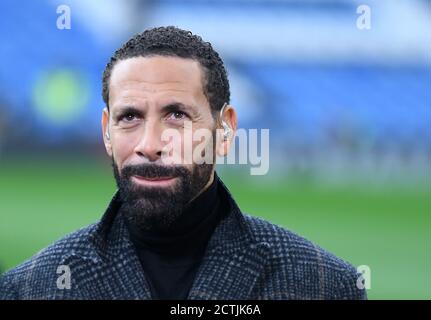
[157, 208]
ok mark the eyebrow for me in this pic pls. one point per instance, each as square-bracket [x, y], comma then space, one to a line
[171, 107]
[178, 106]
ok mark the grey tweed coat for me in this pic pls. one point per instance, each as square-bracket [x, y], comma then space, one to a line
[246, 258]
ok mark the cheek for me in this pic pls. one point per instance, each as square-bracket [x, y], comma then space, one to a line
[122, 149]
[179, 148]
[173, 149]
[203, 147]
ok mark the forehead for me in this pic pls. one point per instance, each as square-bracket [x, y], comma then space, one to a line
[157, 77]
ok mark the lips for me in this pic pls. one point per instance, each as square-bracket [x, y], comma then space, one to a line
[153, 181]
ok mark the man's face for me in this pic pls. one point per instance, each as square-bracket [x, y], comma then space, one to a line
[147, 96]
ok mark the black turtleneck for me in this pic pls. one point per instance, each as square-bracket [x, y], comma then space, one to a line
[171, 259]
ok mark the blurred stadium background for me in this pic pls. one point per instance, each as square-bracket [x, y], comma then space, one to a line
[348, 112]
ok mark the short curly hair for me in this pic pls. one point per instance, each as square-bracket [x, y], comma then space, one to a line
[172, 41]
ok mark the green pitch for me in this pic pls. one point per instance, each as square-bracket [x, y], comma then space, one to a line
[387, 228]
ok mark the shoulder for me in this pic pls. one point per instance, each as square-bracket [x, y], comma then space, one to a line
[35, 272]
[304, 262]
[285, 243]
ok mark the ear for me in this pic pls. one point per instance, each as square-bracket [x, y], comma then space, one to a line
[228, 116]
[105, 128]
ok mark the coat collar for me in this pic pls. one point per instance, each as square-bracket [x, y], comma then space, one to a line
[231, 265]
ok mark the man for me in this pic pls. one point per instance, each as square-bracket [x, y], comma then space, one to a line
[173, 231]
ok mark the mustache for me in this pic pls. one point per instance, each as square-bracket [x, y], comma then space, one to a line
[153, 171]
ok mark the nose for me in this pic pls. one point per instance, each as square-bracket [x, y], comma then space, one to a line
[150, 145]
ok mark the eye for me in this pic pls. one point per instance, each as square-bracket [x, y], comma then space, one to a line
[128, 117]
[177, 115]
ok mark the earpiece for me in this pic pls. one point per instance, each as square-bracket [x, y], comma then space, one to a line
[227, 130]
[108, 137]
[226, 127]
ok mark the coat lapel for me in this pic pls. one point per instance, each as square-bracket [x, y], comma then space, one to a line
[233, 261]
[225, 276]
[115, 256]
